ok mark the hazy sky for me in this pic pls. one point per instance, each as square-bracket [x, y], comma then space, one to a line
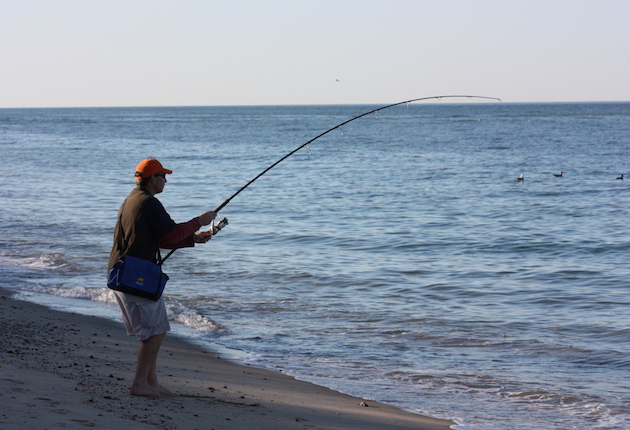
[57, 53]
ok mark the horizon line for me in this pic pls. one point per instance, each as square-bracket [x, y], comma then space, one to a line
[305, 104]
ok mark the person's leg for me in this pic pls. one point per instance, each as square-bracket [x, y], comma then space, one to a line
[145, 380]
[142, 317]
[152, 378]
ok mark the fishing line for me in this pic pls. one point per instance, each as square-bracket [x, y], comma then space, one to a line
[223, 222]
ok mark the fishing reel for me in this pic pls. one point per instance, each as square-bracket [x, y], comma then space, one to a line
[219, 226]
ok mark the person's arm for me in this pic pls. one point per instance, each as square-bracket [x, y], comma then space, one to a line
[180, 232]
[170, 233]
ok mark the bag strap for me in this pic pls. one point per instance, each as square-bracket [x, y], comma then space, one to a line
[175, 248]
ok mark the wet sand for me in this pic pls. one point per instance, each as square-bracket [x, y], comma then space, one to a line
[65, 370]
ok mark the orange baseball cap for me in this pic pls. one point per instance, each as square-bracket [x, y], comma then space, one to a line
[150, 167]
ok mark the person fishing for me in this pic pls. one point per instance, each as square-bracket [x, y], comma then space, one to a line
[143, 227]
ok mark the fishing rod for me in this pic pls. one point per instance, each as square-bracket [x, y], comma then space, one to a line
[222, 205]
[223, 222]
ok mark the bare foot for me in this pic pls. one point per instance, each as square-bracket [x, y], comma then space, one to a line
[144, 391]
[164, 391]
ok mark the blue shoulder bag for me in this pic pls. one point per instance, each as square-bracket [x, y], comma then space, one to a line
[139, 277]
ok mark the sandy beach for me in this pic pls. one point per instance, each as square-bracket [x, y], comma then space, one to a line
[65, 370]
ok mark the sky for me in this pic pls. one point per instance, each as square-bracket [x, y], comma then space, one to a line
[89, 53]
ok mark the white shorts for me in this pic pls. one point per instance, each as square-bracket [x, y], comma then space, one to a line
[142, 317]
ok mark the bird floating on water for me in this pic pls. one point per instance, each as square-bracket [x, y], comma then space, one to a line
[558, 175]
[621, 177]
[520, 178]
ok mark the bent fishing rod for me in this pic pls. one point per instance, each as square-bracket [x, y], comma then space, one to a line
[223, 222]
[222, 205]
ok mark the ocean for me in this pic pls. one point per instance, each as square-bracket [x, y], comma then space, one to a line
[396, 258]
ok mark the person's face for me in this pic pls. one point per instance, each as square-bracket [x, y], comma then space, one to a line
[159, 182]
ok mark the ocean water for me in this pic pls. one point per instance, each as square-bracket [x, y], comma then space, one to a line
[396, 258]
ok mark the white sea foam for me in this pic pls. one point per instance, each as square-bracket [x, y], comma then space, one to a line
[190, 317]
[49, 261]
[104, 295]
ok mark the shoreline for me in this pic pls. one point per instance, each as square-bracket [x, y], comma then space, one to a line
[70, 370]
